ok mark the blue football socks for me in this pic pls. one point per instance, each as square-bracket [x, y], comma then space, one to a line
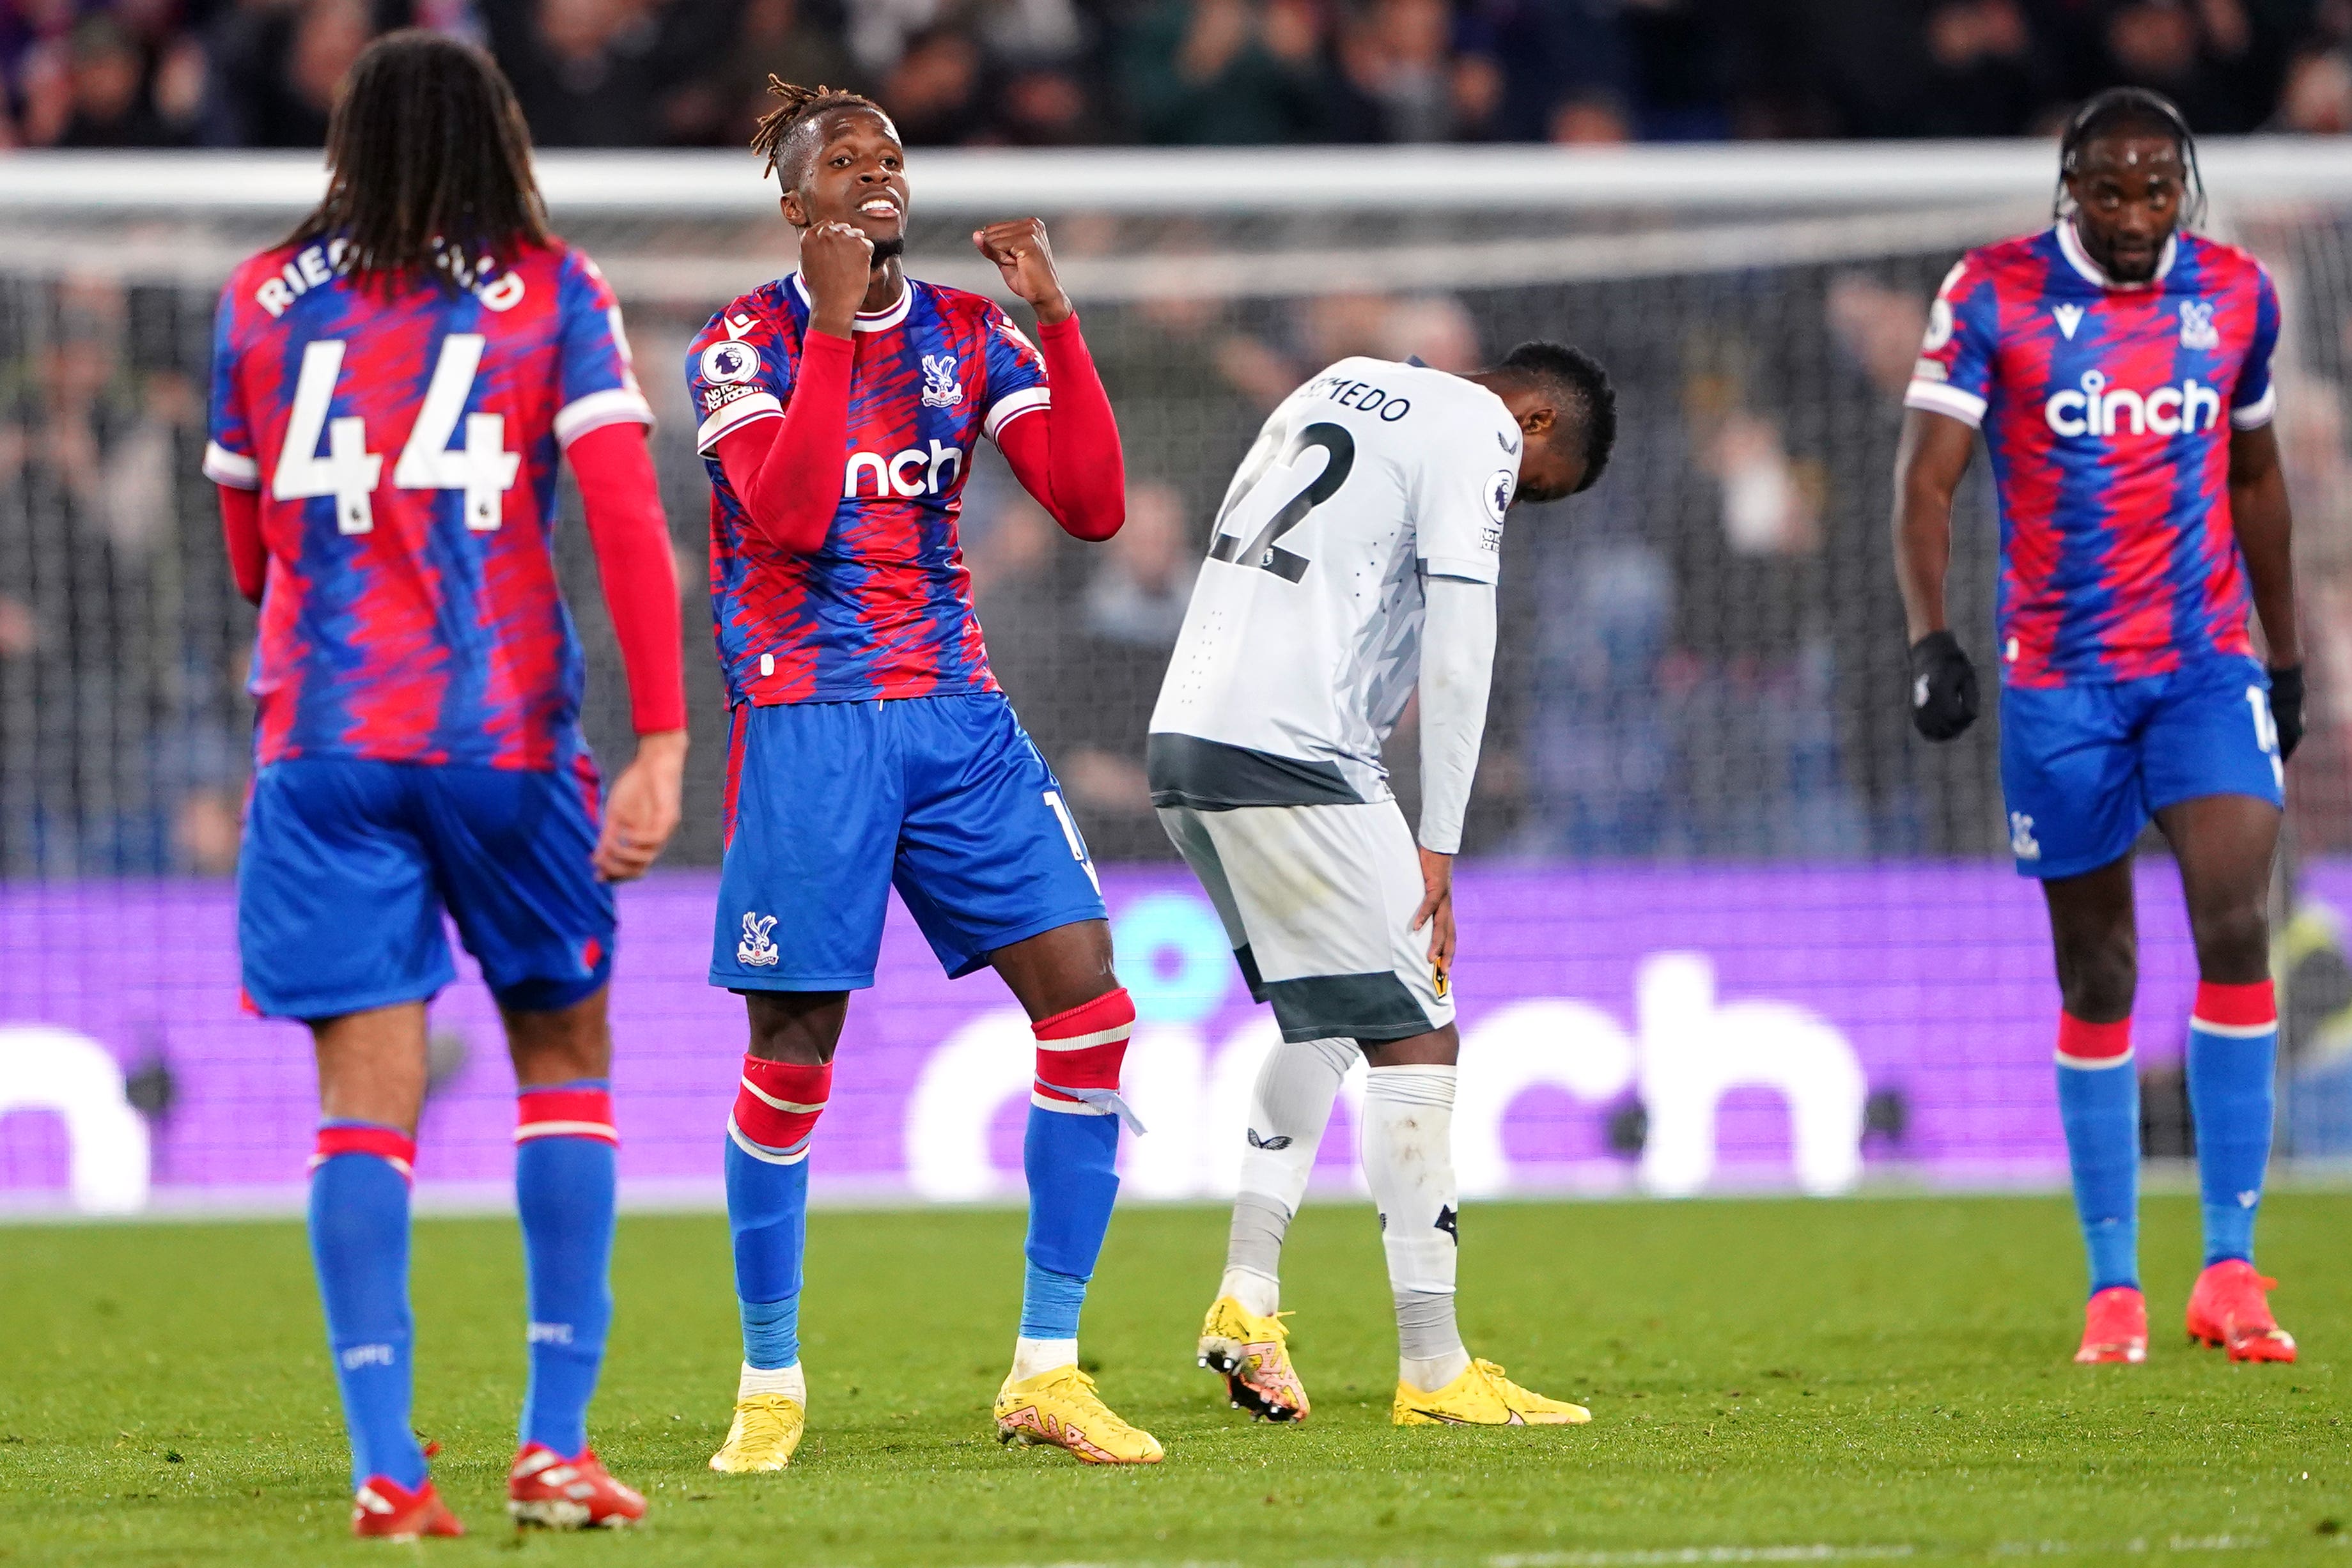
[565, 1159]
[2098, 1103]
[2232, 1058]
[1070, 1155]
[359, 1243]
[1072, 1163]
[776, 1107]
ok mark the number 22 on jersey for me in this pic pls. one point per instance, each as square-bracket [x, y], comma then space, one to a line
[349, 472]
[1268, 503]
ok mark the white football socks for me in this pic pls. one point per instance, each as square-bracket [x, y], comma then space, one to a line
[1032, 1356]
[788, 1381]
[1289, 1107]
[1408, 1154]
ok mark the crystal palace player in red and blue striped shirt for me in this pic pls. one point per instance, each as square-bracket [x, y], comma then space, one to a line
[841, 409]
[392, 389]
[2119, 366]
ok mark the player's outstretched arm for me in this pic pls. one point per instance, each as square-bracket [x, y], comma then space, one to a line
[1066, 455]
[631, 539]
[1457, 664]
[1933, 456]
[2265, 525]
[248, 556]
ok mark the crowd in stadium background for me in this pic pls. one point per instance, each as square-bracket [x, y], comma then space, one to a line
[1708, 662]
[263, 73]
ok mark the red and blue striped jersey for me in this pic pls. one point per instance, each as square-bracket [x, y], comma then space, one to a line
[884, 609]
[2107, 411]
[405, 452]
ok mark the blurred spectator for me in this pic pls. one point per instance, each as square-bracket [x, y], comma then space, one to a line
[1397, 75]
[282, 70]
[1984, 77]
[2317, 98]
[779, 37]
[1551, 55]
[106, 81]
[610, 73]
[933, 92]
[1229, 72]
[1139, 594]
[1042, 106]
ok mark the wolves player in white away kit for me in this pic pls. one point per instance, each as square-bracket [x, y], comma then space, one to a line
[1355, 557]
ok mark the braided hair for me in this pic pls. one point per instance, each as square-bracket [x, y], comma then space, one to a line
[428, 167]
[2133, 109]
[800, 106]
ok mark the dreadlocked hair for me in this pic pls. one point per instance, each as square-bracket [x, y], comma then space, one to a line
[798, 106]
[428, 167]
[2131, 109]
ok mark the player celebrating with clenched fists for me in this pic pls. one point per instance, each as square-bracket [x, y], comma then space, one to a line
[841, 407]
[2119, 368]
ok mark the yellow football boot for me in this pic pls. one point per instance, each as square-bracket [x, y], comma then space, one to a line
[767, 1429]
[1251, 1353]
[1061, 1409]
[1483, 1396]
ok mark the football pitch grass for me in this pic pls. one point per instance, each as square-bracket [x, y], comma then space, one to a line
[1770, 1381]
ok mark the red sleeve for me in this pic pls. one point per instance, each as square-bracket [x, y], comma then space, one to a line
[248, 557]
[631, 538]
[769, 462]
[1067, 452]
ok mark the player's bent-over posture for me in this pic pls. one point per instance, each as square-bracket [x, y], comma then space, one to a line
[1354, 562]
[2118, 366]
[841, 407]
[391, 388]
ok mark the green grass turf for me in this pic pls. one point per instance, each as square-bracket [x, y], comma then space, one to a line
[1880, 1373]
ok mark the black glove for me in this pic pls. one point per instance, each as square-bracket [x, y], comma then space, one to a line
[2287, 708]
[1943, 686]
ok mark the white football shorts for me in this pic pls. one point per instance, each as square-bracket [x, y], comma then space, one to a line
[1318, 902]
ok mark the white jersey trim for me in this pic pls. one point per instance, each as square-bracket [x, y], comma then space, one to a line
[234, 469]
[613, 405]
[2092, 1063]
[865, 321]
[742, 411]
[2257, 413]
[1011, 406]
[2070, 244]
[1950, 401]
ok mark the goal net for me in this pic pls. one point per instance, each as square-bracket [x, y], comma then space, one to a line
[1726, 921]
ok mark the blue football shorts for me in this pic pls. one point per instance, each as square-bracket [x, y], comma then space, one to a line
[2085, 767]
[347, 867]
[830, 805]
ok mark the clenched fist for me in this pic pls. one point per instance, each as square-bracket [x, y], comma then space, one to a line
[838, 263]
[1019, 249]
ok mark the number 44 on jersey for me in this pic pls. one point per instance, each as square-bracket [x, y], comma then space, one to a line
[482, 468]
